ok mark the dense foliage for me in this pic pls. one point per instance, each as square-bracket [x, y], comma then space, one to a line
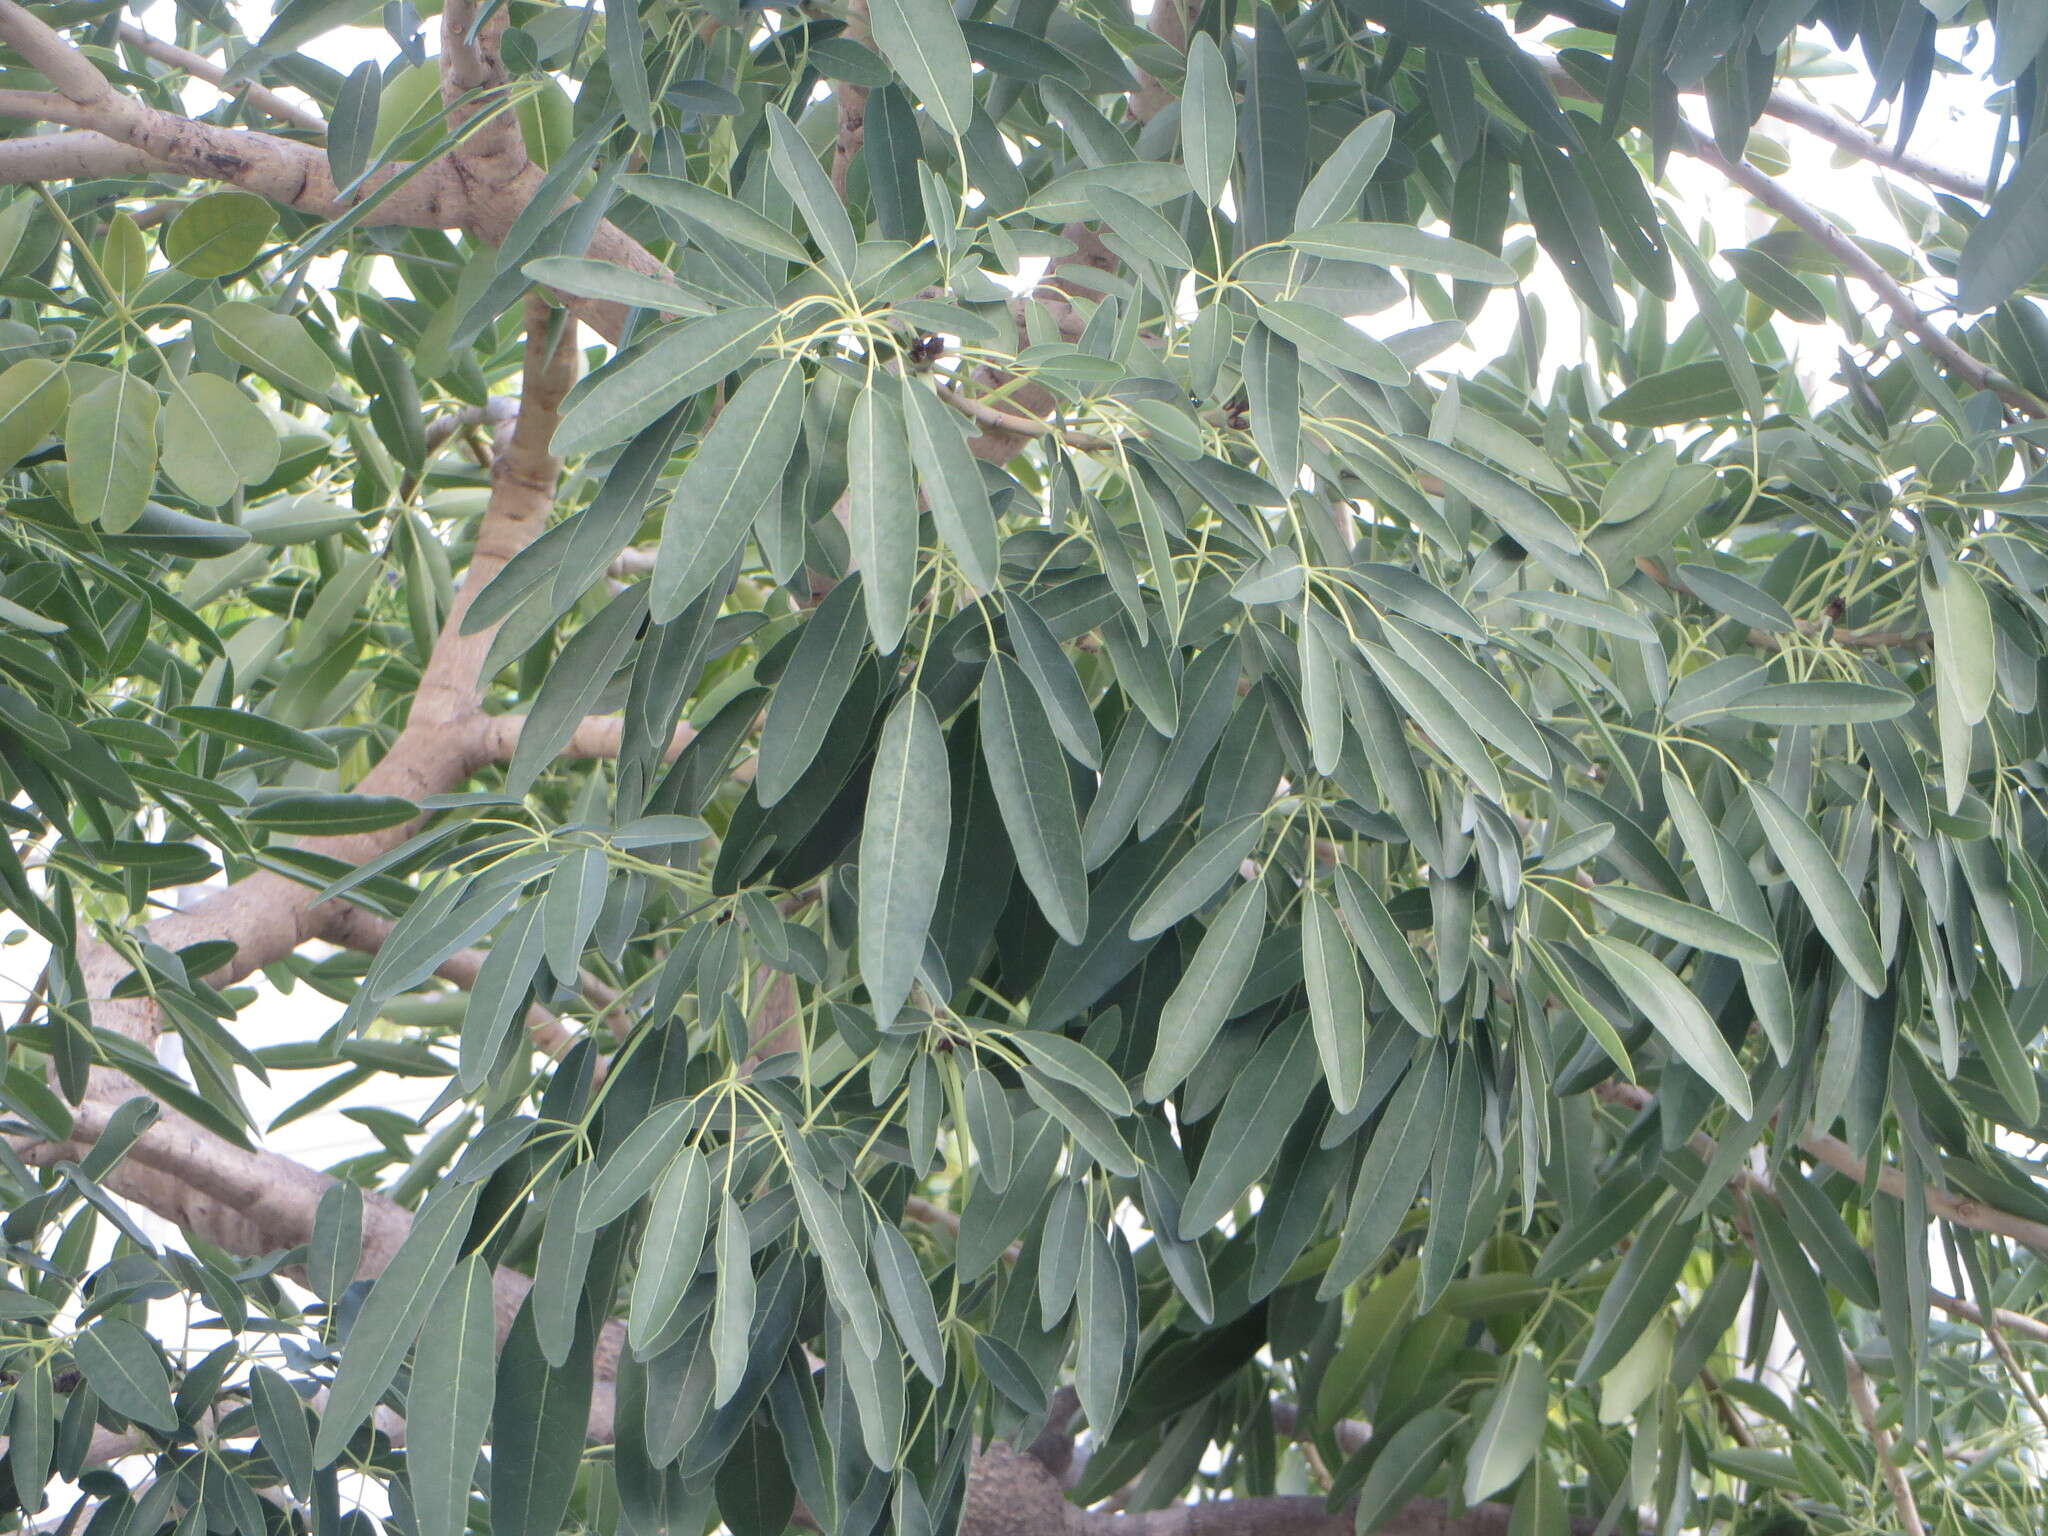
[1000, 825]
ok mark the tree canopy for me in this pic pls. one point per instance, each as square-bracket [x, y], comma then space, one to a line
[1055, 870]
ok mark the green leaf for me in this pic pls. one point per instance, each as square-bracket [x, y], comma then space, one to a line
[1677, 1016]
[319, 815]
[1334, 341]
[1686, 923]
[34, 395]
[678, 1217]
[625, 41]
[635, 1163]
[392, 1314]
[1052, 675]
[1208, 120]
[1336, 1000]
[1335, 189]
[1512, 1431]
[840, 1254]
[1404, 1465]
[1404, 246]
[1686, 393]
[1254, 1121]
[1387, 956]
[219, 233]
[282, 1421]
[732, 1307]
[110, 449]
[1960, 616]
[1207, 989]
[1439, 717]
[952, 483]
[1478, 695]
[560, 1268]
[352, 126]
[735, 469]
[640, 387]
[216, 440]
[570, 906]
[882, 512]
[909, 1300]
[922, 41]
[809, 692]
[1197, 876]
[1834, 906]
[279, 347]
[1035, 797]
[123, 1366]
[1763, 275]
[538, 1426]
[336, 1249]
[2007, 248]
[805, 181]
[1071, 1062]
[448, 1406]
[255, 731]
[902, 851]
[1271, 133]
[1144, 233]
[1519, 511]
[1802, 1300]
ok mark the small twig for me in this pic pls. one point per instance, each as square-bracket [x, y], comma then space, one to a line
[1881, 1442]
[261, 97]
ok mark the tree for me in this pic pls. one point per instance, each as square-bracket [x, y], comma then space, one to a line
[1048, 888]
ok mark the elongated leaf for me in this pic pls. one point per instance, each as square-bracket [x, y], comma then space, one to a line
[1512, 1431]
[1336, 1000]
[391, 1316]
[952, 483]
[1335, 189]
[122, 1365]
[1207, 990]
[635, 1164]
[287, 1432]
[1197, 876]
[678, 1217]
[1403, 245]
[1686, 923]
[1254, 1121]
[923, 41]
[732, 1312]
[1035, 797]
[882, 513]
[909, 1300]
[1208, 120]
[902, 851]
[810, 691]
[1822, 886]
[735, 469]
[454, 1381]
[1387, 954]
[1677, 1015]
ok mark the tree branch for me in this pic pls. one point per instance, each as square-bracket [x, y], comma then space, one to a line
[1881, 1443]
[261, 97]
[1960, 1210]
[1774, 195]
[597, 737]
